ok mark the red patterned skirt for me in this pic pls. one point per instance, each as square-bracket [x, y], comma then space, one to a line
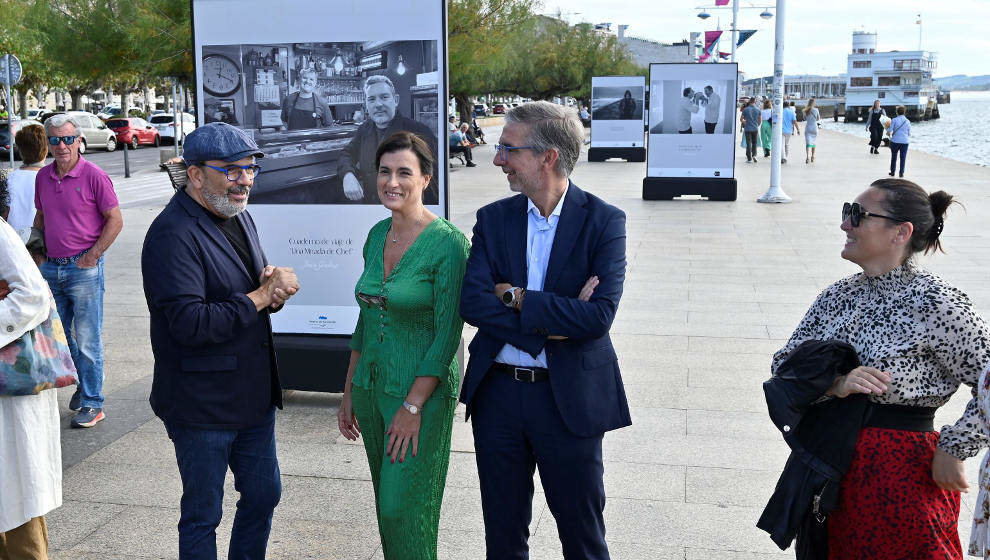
[889, 506]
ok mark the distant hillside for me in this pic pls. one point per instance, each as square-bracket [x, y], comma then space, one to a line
[964, 82]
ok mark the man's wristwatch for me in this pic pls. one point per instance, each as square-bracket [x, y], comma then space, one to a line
[512, 296]
[413, 409]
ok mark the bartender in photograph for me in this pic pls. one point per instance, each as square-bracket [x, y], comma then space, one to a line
[357, 163]
[305, 108]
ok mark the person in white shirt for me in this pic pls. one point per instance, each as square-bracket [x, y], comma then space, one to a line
[685, 107]
[32, 143]
[712, 109]
[30, 448]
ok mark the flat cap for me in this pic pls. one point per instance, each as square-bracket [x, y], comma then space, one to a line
[218, 141]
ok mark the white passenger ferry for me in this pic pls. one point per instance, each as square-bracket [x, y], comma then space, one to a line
[893, 77]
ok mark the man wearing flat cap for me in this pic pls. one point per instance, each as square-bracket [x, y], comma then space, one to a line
[210, 291]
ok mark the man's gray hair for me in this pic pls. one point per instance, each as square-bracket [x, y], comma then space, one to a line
[58, 121]
[378, 79]
[554, 127]
[308, 72]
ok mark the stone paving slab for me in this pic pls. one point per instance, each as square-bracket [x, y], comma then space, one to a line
[713, 290]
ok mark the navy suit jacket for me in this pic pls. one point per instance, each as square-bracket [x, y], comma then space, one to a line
[214, 355]
[584, 372]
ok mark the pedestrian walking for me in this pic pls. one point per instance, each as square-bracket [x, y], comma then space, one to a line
[900, 136]
[542, 386]
[210, 291]
[917, 338]
[30, 450]
[751, 128]
[874, 124]
[789, 127]
[33, 145]
[811, 119]
[77, 209]
[766, 128]
[402, 380]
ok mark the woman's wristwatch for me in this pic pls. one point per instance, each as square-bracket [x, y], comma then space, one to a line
[413, 409]
[513, 297]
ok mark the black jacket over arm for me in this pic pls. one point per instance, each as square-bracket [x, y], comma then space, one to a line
[822, 438]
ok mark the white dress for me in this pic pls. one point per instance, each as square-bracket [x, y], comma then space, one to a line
[30, 451]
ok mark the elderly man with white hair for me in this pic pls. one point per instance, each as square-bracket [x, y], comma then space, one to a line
[78, 212]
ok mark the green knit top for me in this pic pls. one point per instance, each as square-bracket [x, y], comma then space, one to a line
[415, 330]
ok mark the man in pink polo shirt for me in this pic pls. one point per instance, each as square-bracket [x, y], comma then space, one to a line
[78, 212]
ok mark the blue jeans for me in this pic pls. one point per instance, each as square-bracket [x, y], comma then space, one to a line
[79, 298]
[203, 457]
[897, 148]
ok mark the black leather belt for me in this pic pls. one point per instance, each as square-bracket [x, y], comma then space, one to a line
[524, 374]
[902, 417]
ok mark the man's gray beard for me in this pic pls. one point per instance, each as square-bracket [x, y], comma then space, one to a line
[223, 205]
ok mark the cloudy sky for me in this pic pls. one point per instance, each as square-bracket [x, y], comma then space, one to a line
[819, 33]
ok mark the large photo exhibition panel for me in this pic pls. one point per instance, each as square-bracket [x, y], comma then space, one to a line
[319, 86]
[692, 120]
[617, 109]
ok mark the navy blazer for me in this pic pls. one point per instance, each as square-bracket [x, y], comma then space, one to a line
[584, 371]
[214, 355]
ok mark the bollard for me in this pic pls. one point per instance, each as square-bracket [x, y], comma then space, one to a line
[127, 163]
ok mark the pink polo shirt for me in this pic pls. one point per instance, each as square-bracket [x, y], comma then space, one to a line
[73, 206]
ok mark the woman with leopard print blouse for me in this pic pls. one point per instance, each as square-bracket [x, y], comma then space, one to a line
[918, 340]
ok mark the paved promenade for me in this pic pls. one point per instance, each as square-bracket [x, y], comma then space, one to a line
[713, 289]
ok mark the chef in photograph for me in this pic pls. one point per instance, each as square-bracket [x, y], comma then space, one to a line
[685, 106]
[359, 176]
[305, 108]
[711, 109]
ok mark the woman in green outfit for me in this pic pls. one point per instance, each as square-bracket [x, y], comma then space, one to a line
[402, 380]
[766, 129]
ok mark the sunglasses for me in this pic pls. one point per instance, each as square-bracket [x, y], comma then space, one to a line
[381, 302]
[68, 140]
[853, 211]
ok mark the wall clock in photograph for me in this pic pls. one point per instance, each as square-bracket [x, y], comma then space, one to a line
[221, 76]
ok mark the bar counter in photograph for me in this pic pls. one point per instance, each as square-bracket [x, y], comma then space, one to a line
[300, 166]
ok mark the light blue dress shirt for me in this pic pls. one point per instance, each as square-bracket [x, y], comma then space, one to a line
[540, 232]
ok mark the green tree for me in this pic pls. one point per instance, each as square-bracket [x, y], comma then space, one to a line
[477, 32]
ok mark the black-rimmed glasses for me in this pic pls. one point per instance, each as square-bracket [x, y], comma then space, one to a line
[502, 151]
[853, 211]
[377, 301]
[234, 172]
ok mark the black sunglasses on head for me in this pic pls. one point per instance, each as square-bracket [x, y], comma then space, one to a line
[853, 211]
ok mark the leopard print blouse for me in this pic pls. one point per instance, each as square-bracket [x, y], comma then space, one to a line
[914, 325]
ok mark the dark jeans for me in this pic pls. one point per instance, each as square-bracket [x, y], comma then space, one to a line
[752, 143]
[517, 428]
[466, 150]
[203, 457]
[895, 148]
[710, 127]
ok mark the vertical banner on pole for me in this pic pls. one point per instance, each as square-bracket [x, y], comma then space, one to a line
[319, 85]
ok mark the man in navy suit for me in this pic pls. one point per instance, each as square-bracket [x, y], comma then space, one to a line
[210, 291]
[542, 386]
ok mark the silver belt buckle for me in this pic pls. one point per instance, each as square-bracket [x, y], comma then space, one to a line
[532, 374]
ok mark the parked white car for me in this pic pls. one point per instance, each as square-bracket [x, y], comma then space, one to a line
[163, 122]
[94, 132]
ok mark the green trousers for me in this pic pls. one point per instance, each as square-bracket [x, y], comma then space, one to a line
[407, 495]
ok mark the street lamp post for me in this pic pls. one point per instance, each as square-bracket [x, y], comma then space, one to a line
[735, 28]
[775, 193]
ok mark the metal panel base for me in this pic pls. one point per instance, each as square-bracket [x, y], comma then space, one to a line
[666, 188]
[628, 154]
[319, 362]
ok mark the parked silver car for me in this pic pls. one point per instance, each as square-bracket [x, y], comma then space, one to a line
[94, 132]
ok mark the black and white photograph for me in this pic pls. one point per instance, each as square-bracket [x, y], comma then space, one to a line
[700, 106]
[319, 111]
[617, 103]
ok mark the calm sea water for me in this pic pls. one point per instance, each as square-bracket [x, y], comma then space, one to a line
[961, 133]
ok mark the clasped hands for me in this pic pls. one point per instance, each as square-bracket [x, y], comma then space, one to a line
[583, 295]
[947, 471]
[278, 284]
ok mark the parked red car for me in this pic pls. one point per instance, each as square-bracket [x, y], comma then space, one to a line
[134, 131]
[498, 109]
